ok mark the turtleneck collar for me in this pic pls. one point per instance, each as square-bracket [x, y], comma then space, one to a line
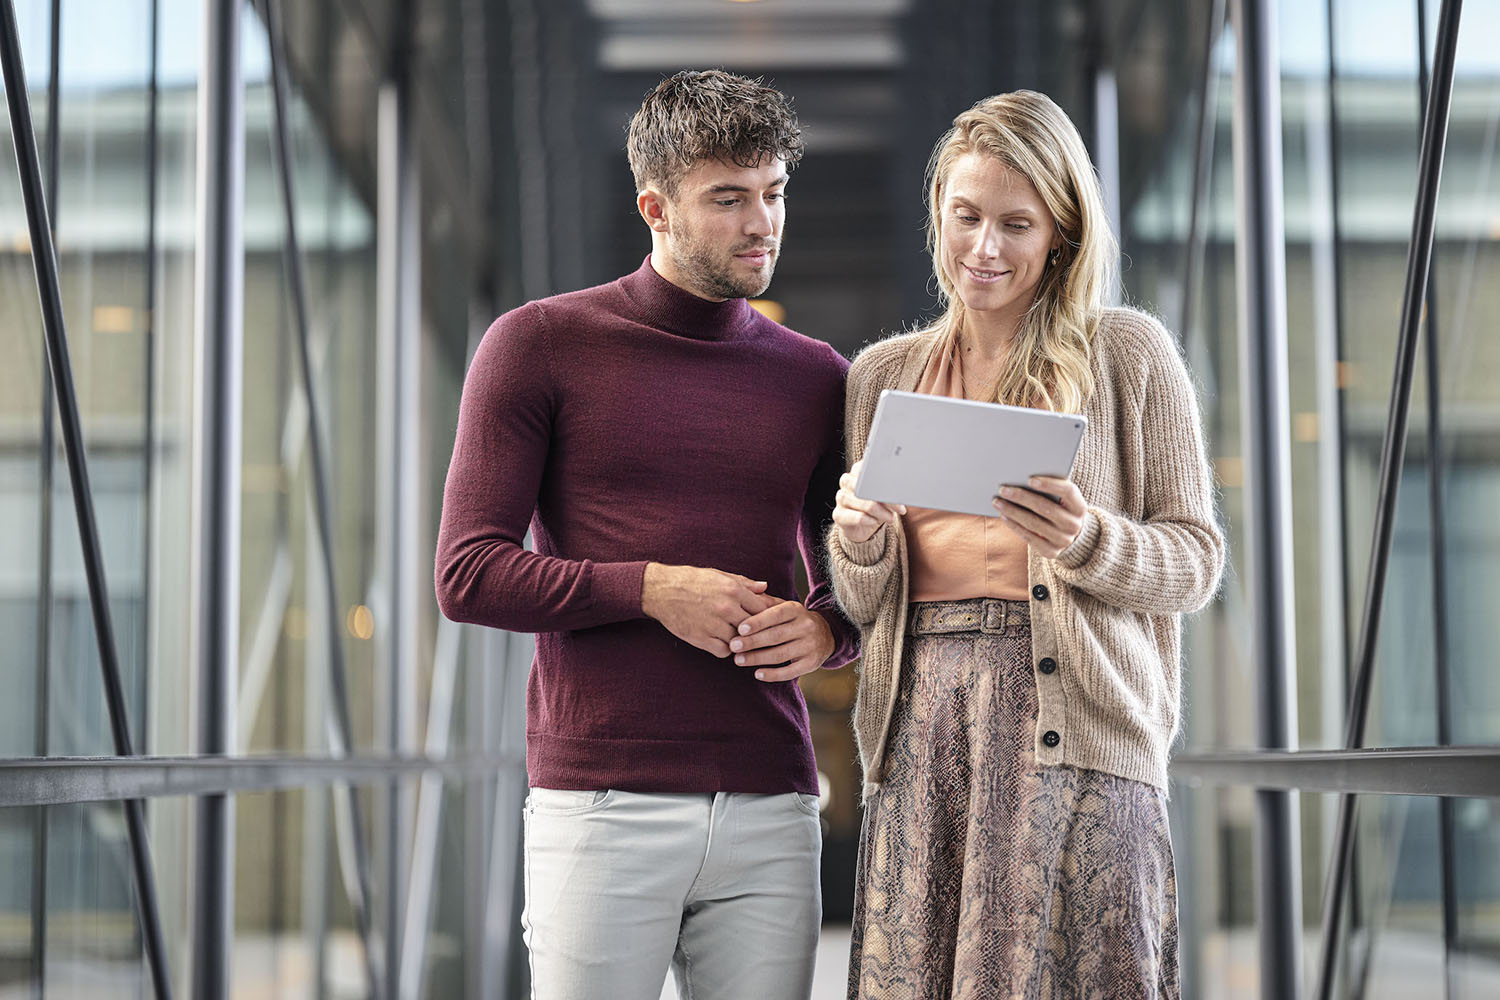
[680, 311]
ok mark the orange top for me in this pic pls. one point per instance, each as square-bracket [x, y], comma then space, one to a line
[954, 557]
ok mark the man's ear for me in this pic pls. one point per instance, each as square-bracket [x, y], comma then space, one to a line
[653, 206]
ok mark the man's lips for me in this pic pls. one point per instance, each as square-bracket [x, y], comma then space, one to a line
[757, 256]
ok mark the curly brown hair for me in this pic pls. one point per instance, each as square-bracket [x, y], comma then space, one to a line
[698, 115]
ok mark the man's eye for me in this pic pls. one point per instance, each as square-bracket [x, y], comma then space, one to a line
[727, 202]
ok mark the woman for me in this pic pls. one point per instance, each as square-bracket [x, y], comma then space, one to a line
[1019, 691]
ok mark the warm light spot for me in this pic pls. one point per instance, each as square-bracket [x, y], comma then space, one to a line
[1305, 427]
[770, 309]
[21, 242]
[295, 624]
[1230, 471]
[1495, 228]
[360, 622]
[1348, 374]
[114, 319]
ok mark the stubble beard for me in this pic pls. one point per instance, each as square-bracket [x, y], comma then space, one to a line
[712, 273]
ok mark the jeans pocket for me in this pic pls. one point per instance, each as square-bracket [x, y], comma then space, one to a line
[807, 803]
[565, 801]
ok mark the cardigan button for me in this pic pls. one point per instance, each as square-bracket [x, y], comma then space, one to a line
[1039, 592]
[1051, 738]
[1048, 665]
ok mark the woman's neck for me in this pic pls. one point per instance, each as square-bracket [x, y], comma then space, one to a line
[987, 339]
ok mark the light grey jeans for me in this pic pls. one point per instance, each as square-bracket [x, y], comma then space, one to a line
[723, 888]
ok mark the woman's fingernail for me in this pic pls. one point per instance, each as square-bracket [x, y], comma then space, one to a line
[736, 645]
[740, 660]
[760, 675]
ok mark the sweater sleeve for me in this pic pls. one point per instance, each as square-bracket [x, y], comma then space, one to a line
[1169, 561]
[483, 574]
[862, 571]
[817, 516]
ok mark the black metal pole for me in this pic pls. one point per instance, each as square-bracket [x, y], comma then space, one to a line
[44, 260]
[218, 389]
[1203, 163]
[1262, 285]
[1393, 453]
[1447, 842]
[47, 455]
[322, 506]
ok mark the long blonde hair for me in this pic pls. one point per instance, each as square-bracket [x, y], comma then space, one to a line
[1049, 361]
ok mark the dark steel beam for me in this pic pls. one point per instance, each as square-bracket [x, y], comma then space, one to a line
[1203, 163]
[44, 261]
[1261, 260]
[1438, 538]
[1457, 772]
[65, 780]
[218, 393]
[1393, 452]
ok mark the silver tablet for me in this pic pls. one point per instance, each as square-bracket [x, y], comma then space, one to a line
[955, 454]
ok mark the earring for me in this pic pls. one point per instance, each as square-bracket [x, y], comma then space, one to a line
[1052, 257]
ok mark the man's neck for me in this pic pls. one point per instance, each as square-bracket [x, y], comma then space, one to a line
[661, 263]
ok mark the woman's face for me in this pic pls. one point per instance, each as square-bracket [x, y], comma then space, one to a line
[996, 234]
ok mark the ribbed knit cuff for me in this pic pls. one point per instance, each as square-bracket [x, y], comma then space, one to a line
[1082, 547]
[616, 588]
[868, 552]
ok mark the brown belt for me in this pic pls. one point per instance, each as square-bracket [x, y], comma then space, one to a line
[982, 614]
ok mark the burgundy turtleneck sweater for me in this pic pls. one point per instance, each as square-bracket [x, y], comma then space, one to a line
[632, 423]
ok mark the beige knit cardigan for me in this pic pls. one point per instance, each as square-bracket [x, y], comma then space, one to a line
[1107, 609]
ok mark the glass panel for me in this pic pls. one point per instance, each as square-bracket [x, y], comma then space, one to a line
[1215, 858]
[285, 620]
[22, 843]
[93, 944]
[103, 231]
[21, 381]
[277, 947]
[1466, 272]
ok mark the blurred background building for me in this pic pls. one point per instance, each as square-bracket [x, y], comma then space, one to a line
[450, 159]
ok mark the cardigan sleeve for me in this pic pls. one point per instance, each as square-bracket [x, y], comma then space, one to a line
[1169, 560]
[863, 571]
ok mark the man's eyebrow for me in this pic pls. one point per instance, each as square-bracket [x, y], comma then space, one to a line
[740, 188]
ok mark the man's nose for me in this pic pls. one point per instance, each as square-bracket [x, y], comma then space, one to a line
[760, 222]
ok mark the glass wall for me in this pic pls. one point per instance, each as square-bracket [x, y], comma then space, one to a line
[1351, 79]
[344, 871]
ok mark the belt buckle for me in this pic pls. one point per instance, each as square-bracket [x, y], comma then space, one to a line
[994, 615]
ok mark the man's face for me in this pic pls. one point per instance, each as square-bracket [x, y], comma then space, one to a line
[723, 229]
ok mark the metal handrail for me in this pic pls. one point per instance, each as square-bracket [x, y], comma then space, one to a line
[1393, 450]
[44, 261]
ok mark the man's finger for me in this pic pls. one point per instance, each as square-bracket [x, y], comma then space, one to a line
[790, 672]
[773, 636]
[779, 615]
[786, 652]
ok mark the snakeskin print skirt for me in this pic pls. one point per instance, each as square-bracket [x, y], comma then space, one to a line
[983, 875]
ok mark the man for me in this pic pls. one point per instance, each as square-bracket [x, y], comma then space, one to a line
[671, 449]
